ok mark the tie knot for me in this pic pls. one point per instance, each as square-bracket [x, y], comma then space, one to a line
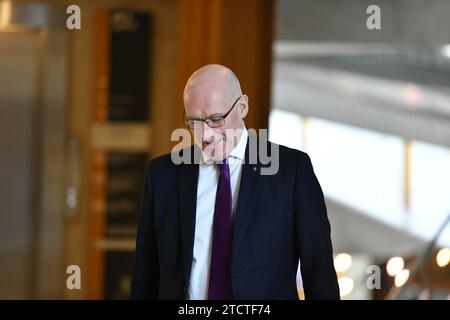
[223, 167]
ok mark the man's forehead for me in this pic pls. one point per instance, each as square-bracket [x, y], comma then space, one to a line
[206, 98]
[205, 109]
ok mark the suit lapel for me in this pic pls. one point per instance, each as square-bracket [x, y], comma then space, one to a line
[248, 191]
[187, 201]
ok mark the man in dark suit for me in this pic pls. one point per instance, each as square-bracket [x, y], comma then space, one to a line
[217, 227]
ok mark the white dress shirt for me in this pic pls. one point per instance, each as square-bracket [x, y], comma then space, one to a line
[208, 179]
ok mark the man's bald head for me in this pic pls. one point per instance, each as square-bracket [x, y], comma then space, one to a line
[212, 81]
[211, 92]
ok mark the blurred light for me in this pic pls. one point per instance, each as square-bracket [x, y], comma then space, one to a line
[395, 265]
[443, 257]
[445, 50]
[5, 13]
[346, 285]
[342, 262]
[424, 295]
[301, 294]
[71, 198]
[412, 95]
[401, 278]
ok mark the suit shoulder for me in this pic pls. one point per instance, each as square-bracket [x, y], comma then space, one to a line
[287, 153]
[159, 161]
[165, 161]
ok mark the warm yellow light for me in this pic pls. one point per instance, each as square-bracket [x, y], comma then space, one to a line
[342, 262]
[346, 285]
[401, 278]
[5, 13]
[443, 257]
[395, 265]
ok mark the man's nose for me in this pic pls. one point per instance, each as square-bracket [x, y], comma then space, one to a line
[206, 132]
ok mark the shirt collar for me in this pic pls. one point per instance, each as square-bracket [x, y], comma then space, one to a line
[238, 151]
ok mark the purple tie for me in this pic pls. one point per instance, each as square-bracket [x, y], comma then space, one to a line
[220, 268]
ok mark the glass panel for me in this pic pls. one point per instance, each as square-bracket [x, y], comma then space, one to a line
[430, 190]
[286, 128]
[360, 168]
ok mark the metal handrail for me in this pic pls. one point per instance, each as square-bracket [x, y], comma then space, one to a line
[394, 292]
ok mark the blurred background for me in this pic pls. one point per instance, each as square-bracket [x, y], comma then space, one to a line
[83, 110]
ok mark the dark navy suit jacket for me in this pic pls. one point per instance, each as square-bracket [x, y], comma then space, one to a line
[279, 219]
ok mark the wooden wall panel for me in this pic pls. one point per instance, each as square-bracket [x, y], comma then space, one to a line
[237, 34]
[97, 176]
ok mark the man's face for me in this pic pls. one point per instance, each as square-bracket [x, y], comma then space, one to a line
[218, 142]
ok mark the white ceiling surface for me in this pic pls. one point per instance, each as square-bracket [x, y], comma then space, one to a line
[402, 108]
[356, 233]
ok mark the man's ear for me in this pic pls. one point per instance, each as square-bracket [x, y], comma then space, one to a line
[243, 106]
